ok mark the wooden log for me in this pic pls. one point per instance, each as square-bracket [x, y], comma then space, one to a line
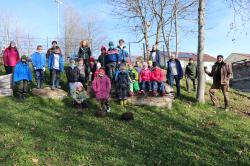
[6, 81]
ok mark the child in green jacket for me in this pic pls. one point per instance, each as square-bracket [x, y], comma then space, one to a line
[134, 77]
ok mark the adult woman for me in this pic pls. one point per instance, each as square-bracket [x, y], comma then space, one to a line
[10, 58]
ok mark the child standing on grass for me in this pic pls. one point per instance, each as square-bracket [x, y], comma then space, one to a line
[82, 69]
[122, 85]
[56, 65]
[133, 77]
[39, 62]
[85, 53]
[101, 87]
[145, 78]
[79, 96]
[22, 75]
[73, 75]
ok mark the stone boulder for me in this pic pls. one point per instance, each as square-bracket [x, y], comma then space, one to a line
[163, 101]
[51, 94]
[6, 85]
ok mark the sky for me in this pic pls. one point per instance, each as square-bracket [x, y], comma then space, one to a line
[39, 18]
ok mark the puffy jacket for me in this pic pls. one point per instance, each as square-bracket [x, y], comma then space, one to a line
[133, 74]
[156, 74]
[101, 59]
[11, 57]
[84, 52]
[22, 72]
[112, 56]
[73, 74]
[123, 54]
[38, 60]
[101, 86]
[145, 75]
[179, 69]
[51, 62]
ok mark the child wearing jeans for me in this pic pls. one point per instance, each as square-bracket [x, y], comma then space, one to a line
[145, 79]
[22, 75]
[56, 65]
[39, 62]
[101, 87]
[157, 80]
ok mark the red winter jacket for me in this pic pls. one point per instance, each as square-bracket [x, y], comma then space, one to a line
[145, 75]
[11, 57]
[157, 75]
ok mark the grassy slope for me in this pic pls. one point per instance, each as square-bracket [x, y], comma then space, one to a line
[40, 131]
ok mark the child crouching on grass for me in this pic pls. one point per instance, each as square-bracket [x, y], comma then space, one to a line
[79, 96]
[101, 87]
[22, 75]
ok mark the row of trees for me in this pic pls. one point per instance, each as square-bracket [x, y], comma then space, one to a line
[163, 20]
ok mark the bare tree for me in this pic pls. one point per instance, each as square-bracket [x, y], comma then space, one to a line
[201, 44]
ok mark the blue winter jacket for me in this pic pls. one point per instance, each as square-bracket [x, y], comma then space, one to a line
[123, 54]
[51, 62]
[22, 72]
[38, 60]
[157, 56]
[178, 66]
[112, 56]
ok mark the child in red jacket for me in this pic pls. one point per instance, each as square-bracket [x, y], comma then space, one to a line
[157, 80]
[145, 78]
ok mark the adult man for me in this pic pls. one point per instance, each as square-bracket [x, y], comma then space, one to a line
[221, 73]
[174, 73]
[191, 74]
[155, 55]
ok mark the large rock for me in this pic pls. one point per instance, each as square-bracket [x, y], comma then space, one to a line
[48, 93]
[163, 102]
[6, 92]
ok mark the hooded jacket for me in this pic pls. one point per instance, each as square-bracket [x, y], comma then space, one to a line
[112, 56]
[73, 74]
[22, 72]
[145, 75]
[101, 86]
[156, 74]
[123, 54]
[51, 62]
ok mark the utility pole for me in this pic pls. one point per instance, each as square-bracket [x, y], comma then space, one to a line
[59, 2]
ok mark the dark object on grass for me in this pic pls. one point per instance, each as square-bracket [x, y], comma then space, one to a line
[127, 116]
[100, 114]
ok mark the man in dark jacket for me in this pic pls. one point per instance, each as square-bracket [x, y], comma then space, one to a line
[155, 55]
[174, 73]
[191, 74]
[221, 73]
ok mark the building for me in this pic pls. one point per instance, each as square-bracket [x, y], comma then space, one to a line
[234, 57]
[184, 59]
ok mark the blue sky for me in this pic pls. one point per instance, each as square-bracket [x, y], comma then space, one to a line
[39, 17]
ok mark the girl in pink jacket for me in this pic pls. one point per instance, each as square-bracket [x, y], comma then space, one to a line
[11, 58]
[145, 78]
[101, 86]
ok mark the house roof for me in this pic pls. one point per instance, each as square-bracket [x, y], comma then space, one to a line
[185, 56]
[246, 55]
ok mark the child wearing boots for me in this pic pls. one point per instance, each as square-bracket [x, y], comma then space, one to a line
[102, 87]
[56, 65]
[73, 75]
[39, 62]
[79, 96]
[85, 54]
[122, 85]
[133, 77]
[157, 80]
[22, 75]
[145, 79]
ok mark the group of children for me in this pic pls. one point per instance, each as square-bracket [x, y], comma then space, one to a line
[112, 69]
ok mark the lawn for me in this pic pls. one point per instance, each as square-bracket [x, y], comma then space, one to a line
[48, 132]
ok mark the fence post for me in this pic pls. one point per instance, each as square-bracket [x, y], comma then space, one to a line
[144, 53]
[47, 42]
[129, 51]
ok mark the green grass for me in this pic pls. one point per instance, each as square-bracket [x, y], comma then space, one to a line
[48, 132]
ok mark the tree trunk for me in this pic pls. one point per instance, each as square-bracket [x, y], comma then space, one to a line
[201, 43]
[176, 29]
[147, 43]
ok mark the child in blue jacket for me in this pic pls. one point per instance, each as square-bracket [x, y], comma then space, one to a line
[56, 65]
[22, 75]
[39, 62]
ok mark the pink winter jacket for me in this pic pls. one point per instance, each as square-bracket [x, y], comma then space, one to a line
[101, 87]
[145, 75]
[11, 57]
